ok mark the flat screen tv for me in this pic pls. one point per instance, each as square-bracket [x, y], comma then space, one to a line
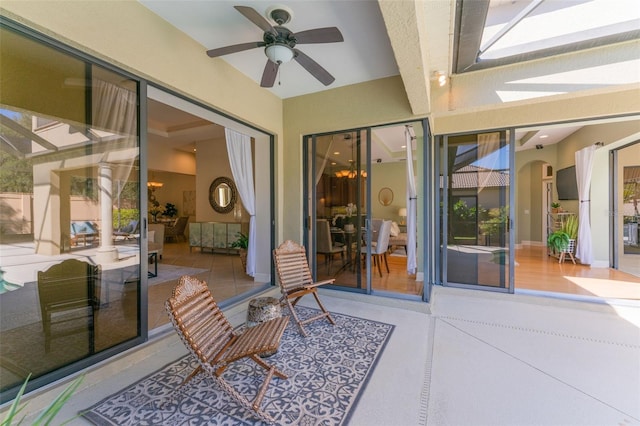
[566, 184]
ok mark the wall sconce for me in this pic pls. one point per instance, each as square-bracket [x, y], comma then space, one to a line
[441, 77]
[154, 185]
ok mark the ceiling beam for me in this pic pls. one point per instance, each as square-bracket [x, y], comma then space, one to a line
[405, 24]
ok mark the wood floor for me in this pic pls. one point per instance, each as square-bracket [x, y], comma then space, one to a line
[534, 271]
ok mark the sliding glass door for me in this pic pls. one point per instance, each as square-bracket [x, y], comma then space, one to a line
[339, 205]
[625, 190]
[363, 217]
[70, 270]
[475, 195]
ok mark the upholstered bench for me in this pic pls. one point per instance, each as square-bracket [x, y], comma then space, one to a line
[399, 241]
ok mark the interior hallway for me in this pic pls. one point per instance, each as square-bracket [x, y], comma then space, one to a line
[478, 358]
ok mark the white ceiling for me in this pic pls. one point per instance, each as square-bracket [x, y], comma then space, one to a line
[364, 55]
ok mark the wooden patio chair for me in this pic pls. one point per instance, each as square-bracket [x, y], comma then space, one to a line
[69, 295]
[296, 281]
[211, 339]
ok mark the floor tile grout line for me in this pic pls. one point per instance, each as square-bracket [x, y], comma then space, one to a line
[547, 332]
[538, 369]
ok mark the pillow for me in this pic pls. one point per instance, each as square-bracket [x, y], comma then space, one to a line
[151, 236]
[395, 229]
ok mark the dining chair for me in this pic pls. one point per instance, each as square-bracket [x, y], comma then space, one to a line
[325, 244]
[379, 249]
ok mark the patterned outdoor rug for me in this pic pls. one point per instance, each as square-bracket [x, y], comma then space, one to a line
[327, 372]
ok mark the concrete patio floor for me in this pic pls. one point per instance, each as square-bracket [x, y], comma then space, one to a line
[467, 358]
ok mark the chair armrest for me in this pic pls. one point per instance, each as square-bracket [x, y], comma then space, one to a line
[319, 283]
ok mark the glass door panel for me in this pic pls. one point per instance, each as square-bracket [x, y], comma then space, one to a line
[339, 206]
[476, 209]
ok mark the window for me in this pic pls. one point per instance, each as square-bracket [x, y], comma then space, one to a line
[69, 161]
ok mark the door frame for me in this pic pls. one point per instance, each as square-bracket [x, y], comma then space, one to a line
[428, 207]
[441, 242]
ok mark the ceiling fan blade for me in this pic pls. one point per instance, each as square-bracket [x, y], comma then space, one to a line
[319, 35]
[269, 74]
[252, 15]
[314, 68]
[221, 51]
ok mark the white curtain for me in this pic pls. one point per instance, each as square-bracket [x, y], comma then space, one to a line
[114, 108]
[412, 206]
[239, 149]
[488, 151]
[320, 170]
[584, 170]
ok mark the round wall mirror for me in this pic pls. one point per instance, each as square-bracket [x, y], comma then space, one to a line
[222, 195]
[385, 196]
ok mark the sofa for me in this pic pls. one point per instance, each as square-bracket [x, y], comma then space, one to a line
[155, 236]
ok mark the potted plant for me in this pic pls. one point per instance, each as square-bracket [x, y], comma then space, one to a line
[558, 241]
[555, 207]
[348, 223]
[242, 244]
[571, 229]
[170, 210]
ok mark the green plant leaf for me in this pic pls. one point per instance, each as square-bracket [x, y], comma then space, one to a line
[52, 410]
[14, 410]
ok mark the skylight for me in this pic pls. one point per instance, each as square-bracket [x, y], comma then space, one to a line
[520, 30]
[514, 27]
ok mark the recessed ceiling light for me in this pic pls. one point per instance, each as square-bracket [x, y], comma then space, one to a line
[403, 146]
[333, 163]
[544, 136]
[336, 153]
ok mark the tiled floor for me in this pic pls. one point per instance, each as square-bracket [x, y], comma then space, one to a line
[224, 276]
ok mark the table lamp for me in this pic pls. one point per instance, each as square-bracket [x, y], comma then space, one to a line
[403, 214]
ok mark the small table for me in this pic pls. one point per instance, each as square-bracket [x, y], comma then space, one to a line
[153, 259]
[263, 309]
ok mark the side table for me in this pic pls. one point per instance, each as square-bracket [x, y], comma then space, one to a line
[263, 309]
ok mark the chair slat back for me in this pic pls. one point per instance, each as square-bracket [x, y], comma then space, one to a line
[198, 319]
[292, 266]
[69, 284]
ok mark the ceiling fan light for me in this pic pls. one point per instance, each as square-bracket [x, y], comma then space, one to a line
[279, 53]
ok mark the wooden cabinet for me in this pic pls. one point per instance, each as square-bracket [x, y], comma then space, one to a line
[215, 236]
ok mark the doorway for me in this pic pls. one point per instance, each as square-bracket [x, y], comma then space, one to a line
[476, 242]
[626, 204]
[360, 229]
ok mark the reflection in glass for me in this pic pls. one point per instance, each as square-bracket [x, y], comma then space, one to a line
[223, 195]
[478, 209]
[66, 185]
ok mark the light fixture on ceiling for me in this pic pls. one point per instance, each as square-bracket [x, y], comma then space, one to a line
[351, 172]
[279, 53]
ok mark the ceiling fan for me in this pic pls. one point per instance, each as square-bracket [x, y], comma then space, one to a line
[279, 43]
